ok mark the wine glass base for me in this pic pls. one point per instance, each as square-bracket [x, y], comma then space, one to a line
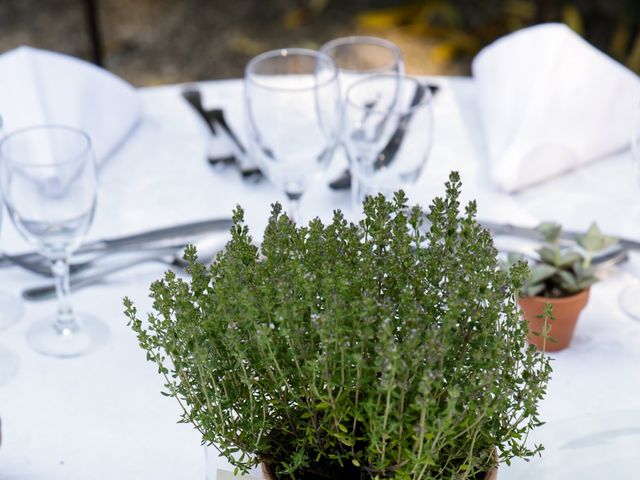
[10, 310]
[45, 338]
[629, 300]
[8, 365]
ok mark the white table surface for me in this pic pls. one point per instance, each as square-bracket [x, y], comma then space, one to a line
[102, 417]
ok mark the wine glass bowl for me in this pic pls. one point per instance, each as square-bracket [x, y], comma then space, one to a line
[49, 182]
[359, 56]
[292, 103]
[388, 124]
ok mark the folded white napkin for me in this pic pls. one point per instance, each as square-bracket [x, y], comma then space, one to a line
[551, 102]
[41, 87]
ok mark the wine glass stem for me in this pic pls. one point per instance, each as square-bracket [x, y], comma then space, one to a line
[293, 207]
[65, 320]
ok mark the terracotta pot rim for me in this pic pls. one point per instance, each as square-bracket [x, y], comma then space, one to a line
[490, 475]
[568, 299]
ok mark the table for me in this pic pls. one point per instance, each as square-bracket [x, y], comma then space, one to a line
[102, 417]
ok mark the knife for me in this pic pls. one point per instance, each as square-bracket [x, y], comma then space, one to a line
[194, 98]
[508, 229]
[144, 239]
[244, 163]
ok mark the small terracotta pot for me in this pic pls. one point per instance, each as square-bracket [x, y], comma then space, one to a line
[566, 311]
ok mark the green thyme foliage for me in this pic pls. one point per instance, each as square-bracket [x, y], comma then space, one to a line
[353, 351]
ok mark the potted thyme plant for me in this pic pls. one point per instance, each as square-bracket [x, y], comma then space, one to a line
[562, 278]
[353, 351]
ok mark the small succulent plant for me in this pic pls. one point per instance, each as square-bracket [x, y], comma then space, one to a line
[562, 270]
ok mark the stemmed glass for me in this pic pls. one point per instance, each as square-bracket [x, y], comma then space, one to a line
[358, 57]
[49, 181]
[292, 103]
[630, 296]
[389, 142]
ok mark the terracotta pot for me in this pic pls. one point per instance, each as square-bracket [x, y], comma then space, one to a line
[566, 311]
[492, 475]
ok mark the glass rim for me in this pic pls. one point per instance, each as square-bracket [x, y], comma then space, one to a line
[428, 97]
[365, 40]
[85, 149]
[285, 52]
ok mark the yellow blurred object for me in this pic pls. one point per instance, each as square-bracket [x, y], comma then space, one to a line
[440, 11]
[385, 18]
[520, 10]
[318, 6]
[633, 60]
[294, 19]
[443, 52]
[246, 46]
[420, 52]
[620, 40]
[572, 17]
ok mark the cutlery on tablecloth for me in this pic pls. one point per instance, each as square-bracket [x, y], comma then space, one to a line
[194, 98]
[614, 255]
[343, 182]
[247, 168]
[207, 249]
[219, 127]
[531, 233]
[166, 237]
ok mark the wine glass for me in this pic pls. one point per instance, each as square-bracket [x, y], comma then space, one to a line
[49, 181]
[389, 142]
[292, 103]
[630, 296]
[358, 57]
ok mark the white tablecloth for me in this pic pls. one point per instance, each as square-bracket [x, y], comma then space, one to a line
[102, 417]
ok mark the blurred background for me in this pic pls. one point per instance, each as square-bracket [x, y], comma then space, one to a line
[150, 42]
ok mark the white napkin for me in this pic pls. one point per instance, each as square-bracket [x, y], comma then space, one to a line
[550, 103]
[41, 87]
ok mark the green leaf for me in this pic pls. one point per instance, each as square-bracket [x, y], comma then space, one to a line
[550, 231]
[540, 272]
[535, 289]
[568, 281]
[568, 258]
[549, 255]
[594, 240]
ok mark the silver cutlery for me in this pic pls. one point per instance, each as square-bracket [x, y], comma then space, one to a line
[601, 261]
[167, 237]
[531, 233]
[207, 249]
[247, 168]
[219, 127]
[194, 98]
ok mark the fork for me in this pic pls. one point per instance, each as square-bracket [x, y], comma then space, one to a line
[42, 266]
